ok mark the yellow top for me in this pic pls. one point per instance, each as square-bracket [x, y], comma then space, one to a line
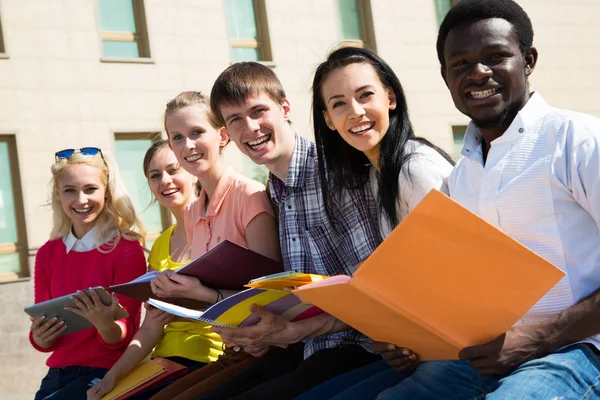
[192, 340]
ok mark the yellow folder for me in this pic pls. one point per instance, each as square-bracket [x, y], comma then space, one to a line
[444, 279]
[144, 372]
[284, 280]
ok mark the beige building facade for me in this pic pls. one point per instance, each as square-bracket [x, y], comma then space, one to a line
[77, 73]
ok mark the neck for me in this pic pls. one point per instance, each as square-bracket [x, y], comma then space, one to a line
[374, 155]
[179, 214]
[80, 231]
[210, 179]
[281, 165]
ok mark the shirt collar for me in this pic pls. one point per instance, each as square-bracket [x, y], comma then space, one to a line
[224, 185]
[86, 243]
[301, 164]
[525, 120]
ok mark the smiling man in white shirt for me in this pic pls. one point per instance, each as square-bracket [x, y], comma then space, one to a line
[532, 171]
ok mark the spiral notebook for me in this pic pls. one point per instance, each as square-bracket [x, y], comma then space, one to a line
[234, 311]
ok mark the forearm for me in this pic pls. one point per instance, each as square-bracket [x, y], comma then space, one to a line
[576, 323]
[142, 343]
[319, 325]
[112, 332]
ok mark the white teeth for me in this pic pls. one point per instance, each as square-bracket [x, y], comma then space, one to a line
[361, 128]
[170, 192]
[194, 158]
[256, 144]
[482, 94]
[82, 210]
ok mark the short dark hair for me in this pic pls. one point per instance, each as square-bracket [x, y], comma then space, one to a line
[241, 80]
[475, 10]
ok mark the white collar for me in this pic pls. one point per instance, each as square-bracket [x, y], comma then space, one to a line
[86, 243]
[525, 120]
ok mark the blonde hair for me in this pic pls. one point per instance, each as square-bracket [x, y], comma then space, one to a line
[117, 219]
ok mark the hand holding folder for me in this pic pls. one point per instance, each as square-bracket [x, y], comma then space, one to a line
[443, 280]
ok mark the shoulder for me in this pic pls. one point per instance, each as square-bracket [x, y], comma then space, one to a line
[245, 186]
[425, 162]
[51, 246]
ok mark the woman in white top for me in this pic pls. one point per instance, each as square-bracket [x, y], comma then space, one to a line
[364, 136]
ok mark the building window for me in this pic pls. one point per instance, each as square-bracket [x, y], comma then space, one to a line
[130, 151]
[2, 48]
[123, 29]
[356, 23]
[13, 246]
[248, 30]
[458, 134]
[441, 9]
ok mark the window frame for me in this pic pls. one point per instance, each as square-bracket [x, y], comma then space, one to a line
[20, 247]
[457, 130]
[166, 218]
[365, 17]
[141, 37]
[3, 52]
[263, 44]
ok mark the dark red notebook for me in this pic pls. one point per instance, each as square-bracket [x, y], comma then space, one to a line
[225, 266]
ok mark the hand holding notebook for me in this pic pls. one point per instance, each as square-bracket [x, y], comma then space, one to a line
[226, 266]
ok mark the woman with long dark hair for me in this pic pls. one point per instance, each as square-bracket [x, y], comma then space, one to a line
[364, 137]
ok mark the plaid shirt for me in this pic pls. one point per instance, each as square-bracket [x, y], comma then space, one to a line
[309, 242]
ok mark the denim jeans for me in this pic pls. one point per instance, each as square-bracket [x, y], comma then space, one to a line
[70, 383]
[362, 383]
[571, 373]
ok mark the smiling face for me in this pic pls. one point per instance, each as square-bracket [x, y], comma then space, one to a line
[486, 72]
[357, 106]
[259, 127]
[195, 142]
[171, 185]
[82, 195]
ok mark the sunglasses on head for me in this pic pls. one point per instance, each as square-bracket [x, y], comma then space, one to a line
[85, 151]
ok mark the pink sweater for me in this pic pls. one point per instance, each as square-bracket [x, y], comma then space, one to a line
[58, 274]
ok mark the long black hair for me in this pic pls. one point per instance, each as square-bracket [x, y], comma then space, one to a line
[341, 166]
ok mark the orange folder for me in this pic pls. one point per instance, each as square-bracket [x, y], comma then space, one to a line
[444, 279]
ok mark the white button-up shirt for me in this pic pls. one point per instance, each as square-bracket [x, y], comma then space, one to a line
[540, 185]
[86, 243]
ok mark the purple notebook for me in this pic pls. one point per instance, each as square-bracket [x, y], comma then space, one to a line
[225, 266]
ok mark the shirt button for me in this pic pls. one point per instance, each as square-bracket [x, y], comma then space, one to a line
[521, 130]
[293, 239]
[289, 207]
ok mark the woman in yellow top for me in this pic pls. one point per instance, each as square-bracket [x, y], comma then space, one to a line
[188, 343]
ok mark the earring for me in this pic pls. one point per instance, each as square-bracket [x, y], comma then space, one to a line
[331, 127]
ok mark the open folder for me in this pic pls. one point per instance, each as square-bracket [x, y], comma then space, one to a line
[444, 279]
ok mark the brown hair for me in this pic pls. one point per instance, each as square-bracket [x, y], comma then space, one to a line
[241, 80]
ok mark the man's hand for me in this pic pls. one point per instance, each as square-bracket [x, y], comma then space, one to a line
[501, 356]
[399, 358]
[271, 330]
[45, 332]
[170, 284]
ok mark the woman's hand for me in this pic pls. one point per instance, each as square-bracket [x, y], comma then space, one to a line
[156, 316]
[45, 332]
[171, 284]
[90, 307]
[101, 388]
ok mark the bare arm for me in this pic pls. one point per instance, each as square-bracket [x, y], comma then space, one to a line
[262, 236]
[523, 343]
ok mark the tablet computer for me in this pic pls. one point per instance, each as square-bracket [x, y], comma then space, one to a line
[56, 308]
